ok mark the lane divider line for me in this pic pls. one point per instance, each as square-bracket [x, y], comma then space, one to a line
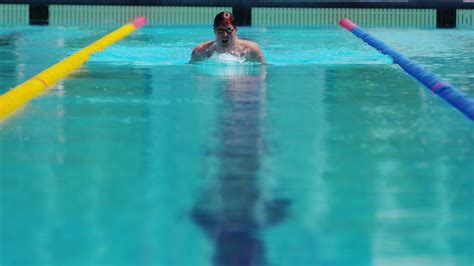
[448, 92]
[15, 98]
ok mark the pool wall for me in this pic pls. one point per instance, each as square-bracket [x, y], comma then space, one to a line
[258, 13]
[329, 16]
[14, 15]
[465, 18]
[77, 15]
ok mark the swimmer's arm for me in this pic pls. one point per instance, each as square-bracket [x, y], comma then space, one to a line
[196, 56]
[256, 54]
[201, 52]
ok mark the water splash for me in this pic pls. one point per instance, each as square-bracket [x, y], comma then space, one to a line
[224, 59]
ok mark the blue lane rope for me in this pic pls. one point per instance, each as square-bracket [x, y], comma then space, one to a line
[448, 92]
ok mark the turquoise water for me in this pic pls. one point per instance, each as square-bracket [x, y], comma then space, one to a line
[329, 155]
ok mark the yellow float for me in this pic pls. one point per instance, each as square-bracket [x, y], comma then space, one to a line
[13, 99]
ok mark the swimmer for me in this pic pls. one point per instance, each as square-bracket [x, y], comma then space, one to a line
[227, 41]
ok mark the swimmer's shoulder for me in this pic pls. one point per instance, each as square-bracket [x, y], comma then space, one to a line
[249, 44]
[256, 53]
[204, 45]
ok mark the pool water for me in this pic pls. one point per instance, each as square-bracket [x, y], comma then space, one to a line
[329, 155]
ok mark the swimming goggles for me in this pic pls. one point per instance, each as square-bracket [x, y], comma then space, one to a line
[221, 30]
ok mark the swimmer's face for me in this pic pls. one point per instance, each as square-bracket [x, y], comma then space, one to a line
[225, 34]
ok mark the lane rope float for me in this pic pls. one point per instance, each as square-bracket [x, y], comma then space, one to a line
[445, 90]
[13, 99]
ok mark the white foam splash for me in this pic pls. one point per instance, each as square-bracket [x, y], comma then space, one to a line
[225, 58]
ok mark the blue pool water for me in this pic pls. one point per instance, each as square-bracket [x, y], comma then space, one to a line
[329, 155]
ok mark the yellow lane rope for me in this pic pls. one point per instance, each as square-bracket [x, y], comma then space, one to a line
[13, 99]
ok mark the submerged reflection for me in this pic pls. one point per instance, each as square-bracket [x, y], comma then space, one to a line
[9, 68]
[233, 210]
[8, 39]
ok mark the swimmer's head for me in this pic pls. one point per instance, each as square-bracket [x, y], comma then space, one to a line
[222, 17]
[225, 29]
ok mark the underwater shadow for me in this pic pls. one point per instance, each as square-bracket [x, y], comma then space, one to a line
[234, 210]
